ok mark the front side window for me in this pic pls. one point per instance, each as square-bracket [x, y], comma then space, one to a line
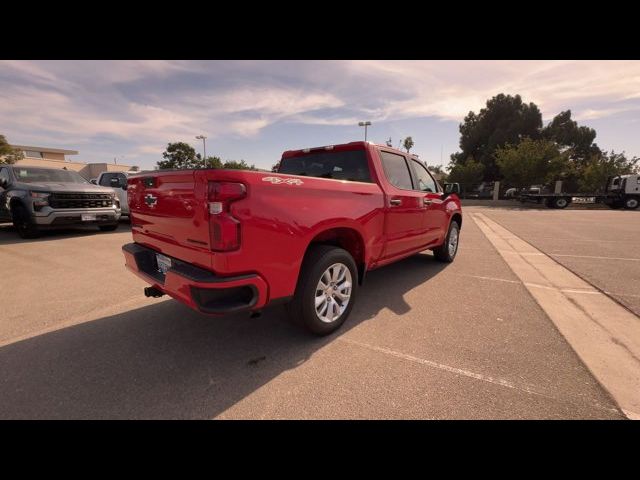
[425, 182]
[105, 179]
[396, 170]
[4, 174]
[36, 175]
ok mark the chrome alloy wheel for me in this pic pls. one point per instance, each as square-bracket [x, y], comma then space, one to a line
[453, 242]
[333, 292]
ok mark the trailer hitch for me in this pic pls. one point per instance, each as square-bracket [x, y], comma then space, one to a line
[153, 292]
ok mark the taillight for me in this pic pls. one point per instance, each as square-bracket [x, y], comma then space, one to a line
[224, 229]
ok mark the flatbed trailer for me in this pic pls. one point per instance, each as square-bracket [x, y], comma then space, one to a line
[621, 191]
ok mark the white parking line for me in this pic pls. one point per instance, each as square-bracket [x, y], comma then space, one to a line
[605, 335]
[591, 291]
[527, 388]
[440, 366]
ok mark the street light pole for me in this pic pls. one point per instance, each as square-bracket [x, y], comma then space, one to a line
[204, 147]
[365, 125]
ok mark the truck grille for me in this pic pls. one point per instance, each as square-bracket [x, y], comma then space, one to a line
[80, 200]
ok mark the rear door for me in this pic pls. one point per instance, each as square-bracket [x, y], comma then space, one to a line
[434, 217]
[404, 224]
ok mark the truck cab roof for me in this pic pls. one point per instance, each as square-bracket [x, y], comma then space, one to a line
[346, 146]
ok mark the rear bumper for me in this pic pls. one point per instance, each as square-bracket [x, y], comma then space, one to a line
[196, 287]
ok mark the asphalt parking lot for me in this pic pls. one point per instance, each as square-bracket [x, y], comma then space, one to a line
[425, 340]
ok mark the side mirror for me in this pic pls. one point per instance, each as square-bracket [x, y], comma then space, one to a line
[94, 181]
[450, 188]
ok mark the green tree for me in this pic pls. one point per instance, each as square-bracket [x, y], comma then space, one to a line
[505, 120]
[275, 167]
[602, 165]
[466, 174]
[576, 140]
[180, 155]
[530, 162]
[8, 154]
[408, 144]
[213, 162]
[238, 165]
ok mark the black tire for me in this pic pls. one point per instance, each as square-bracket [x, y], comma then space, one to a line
[442, 253]
[23, 222]
[631, 203]
[108, 228]
[301, 309]
[560, 202]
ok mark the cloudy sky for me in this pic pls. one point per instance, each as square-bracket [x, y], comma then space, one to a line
[253, 110]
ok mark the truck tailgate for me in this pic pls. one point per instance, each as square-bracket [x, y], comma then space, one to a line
[168, 214]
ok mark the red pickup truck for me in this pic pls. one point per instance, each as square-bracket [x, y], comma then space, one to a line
[224, 241]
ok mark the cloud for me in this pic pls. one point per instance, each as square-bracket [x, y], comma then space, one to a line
[142, 104]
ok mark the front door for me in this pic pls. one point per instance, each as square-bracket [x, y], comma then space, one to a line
[434, 217]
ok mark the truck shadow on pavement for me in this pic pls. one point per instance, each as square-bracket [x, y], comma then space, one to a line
[9, 236]
[165, 361]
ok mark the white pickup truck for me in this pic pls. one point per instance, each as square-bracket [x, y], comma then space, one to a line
[118, 182]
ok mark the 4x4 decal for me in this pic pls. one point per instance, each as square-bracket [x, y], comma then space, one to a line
[278, 180]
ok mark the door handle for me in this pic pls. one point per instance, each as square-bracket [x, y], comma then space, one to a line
[395, 202]
[427, 201]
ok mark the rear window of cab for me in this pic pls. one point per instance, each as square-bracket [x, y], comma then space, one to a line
[351, 165]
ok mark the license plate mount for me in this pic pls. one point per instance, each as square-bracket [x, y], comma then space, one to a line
[163, 262]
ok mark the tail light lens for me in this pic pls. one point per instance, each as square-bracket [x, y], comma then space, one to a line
[224, 229]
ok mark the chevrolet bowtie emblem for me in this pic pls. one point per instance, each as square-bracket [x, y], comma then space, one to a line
[150, 200]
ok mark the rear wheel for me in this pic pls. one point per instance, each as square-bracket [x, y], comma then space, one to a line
[23, 222]
[631, 203]
[326, 290]
[560, 202]
[447, 251]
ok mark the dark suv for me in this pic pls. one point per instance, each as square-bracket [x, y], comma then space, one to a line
[36, 198]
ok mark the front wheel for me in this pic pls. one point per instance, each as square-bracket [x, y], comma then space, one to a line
[326, 290]
[447, 251]
[23, 222]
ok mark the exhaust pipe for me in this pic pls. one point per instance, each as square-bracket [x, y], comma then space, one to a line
[153, 292]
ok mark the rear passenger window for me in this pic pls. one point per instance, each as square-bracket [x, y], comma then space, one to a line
[396, 170]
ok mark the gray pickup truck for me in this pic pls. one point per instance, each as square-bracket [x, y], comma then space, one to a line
[38, 198]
